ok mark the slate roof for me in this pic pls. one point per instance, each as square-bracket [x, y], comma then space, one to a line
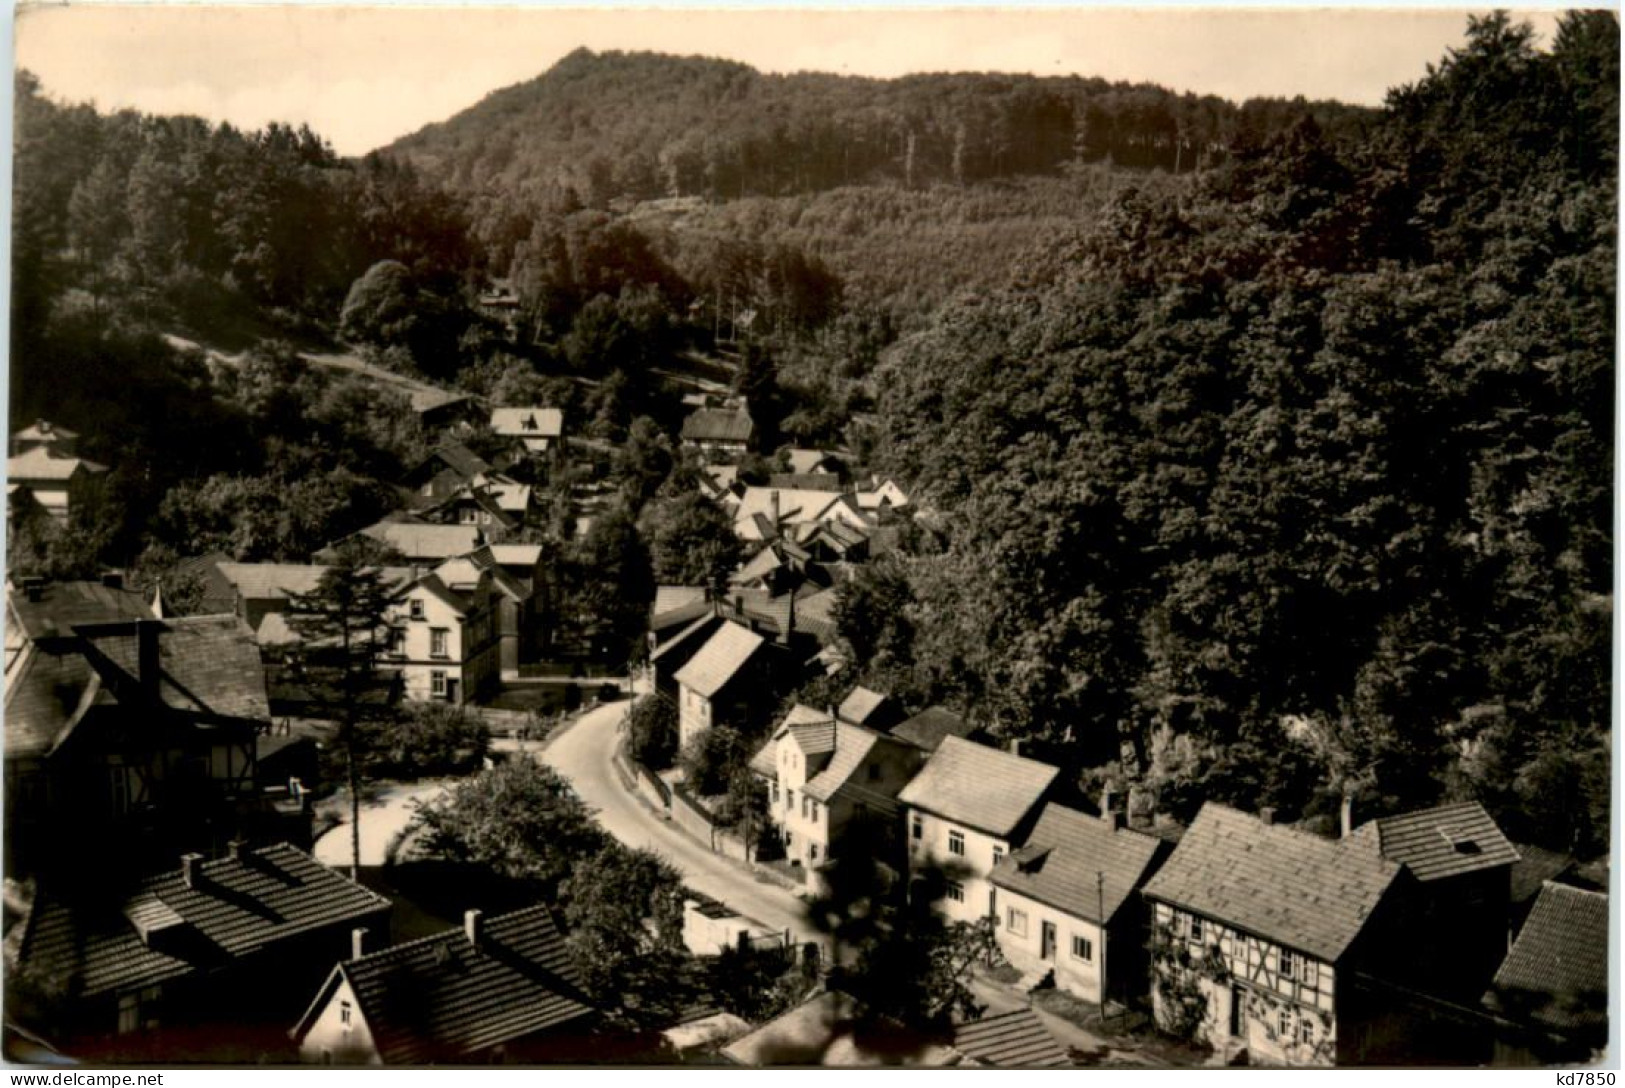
[1556, 973]
[441, 998]
[720, 659]
[1014, 1040]
[931, 726]
[677, 650]
[238, 908]
[1441, 842]
[206, 663]
[1285, 885]
[527, 422]
[859, 705]
[419, 541]
[978, 786]
[39, 464]
[718, 425]
[42, 693]
[1060, 861]
[61, 605]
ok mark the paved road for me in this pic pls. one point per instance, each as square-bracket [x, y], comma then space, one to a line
[582, 753]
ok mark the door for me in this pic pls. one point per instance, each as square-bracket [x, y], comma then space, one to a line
[451, 690]
[1046, 941]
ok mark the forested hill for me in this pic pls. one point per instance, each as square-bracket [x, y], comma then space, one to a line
[643, 125]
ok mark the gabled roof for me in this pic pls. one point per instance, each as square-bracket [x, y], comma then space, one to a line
[467, 570]
[1277, 882]
[527, 422]
[40, 464]
[239, 907]
[455, 456]
[481, 498]
[1556, 973]
[759, 566]
[419, 541]
[426, 400]
[677, 650]
[62, 605]
[720, 659]
[517, 555]
[796, 506]
[1534, 867]
[1017, 1039]
[718, 425]
[860, 705]
[931, 726]
[1065, 858]
[277, 581]
[980, 787]
[209, 664]
[434, 586]
[441, 998]
[677, 604]
[1441, 842]
[43, 430]
[806, 481]
[804, 460]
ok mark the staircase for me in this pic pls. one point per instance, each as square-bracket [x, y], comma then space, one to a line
[1036, 978]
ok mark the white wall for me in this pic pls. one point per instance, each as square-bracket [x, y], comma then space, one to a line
[347, 1046]
[932, 848]
[1024, 948]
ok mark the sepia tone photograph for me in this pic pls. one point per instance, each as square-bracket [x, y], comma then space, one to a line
[1069, 538]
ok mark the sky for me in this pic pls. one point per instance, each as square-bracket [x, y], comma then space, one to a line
[361, 77]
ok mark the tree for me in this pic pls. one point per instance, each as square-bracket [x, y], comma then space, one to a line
[380, 308]
[429, 739]
[651, 732]
[714, 758]
[343, 626]
[691, 539]
[520, 819]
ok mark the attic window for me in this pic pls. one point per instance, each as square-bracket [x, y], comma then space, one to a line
[1461, 845]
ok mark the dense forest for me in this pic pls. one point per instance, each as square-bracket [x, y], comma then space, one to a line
[1263, 452]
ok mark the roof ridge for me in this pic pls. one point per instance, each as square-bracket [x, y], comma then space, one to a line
[451, 933]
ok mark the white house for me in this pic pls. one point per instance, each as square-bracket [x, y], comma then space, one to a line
[969, 806]
[445, 644]
[540, 430]
[720, 684]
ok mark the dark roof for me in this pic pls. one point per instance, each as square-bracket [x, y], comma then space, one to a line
[1556, 974]
[237, 908]
[443, 998]
[1277, 882]
[1064, 857]
[1534, 867]
[1435, 843]
[425, 541]
[860, 705]
[459, 458]
[931, 726]
[806, 481]
[1017, 1039]
[718, 425]
[63, 605]
[978, 786]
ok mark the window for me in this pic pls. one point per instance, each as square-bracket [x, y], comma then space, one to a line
[415, 608]
[789, 799]
[468, 515]
[803, 806]
[129, 1014]
[812, 851]
[1306, 1030]
[1308, 971]
[437, 642]
[917, 827]
[428, 489]
[1288, 964]
[956, 891]
[1083, 949]
[998, 855]
[1283, 1024]
[956, 843]
[1195, 928]
[1017, 922]
[874, 772]
[775, 788]
[327, 1055]
[344, 1014]
[815, 810]
[437, 683]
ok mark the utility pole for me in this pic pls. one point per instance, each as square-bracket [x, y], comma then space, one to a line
[1100, 900]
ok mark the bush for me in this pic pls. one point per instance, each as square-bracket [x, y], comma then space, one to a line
[713, 759]
[430, 739]
[651, 732]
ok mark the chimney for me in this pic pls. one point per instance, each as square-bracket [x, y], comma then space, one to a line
[474, 927]
[237, 848]
[1267, 815]
[113, 579]
[358, 942]
[1015, 746]
[146, 634]
[192, 869]
[1347, 814]
[774, 499]
[1107, 797]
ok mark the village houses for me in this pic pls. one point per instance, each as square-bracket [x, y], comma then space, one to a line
[445, 645]
[969, 806]
[1550, 993]
[728, 432]
[726, 682]
[540, 431]
[43, 464]
[500, 989]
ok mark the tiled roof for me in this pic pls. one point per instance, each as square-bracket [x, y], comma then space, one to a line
[851, 746]
[237, 909]
[441, 998]
[859, 705]
[1534, 867]
[1285, 885]
[527, 422]
[1440, 842]
[720, 659]
[271, 581]
[39, 464]
[806, 481]
[433, 585]
[670, 599]
[457, 457]
[675, 652]
[814, 738]
[718, 425]
[417, 541]
[517, 555]
[1556, 974]
[1065, 856]
[811, 460]
[62, 605]
[42, 692]
[981, 787]
[427, 400]
[931, 726]
[795, 507]
[466, 571]
[206, 663]
[1014, 1040]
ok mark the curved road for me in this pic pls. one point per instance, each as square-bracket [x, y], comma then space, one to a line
[582, 753]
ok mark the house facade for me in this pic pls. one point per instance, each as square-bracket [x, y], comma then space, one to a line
[539, 430]
[58, 483]
[512, 598]
[724, 431]
[445, 644]
[441, 473]
[965, 811]
[1259, 932]
[1068, 903]
[726, 682]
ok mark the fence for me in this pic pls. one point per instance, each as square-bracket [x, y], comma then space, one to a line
[694, 820]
